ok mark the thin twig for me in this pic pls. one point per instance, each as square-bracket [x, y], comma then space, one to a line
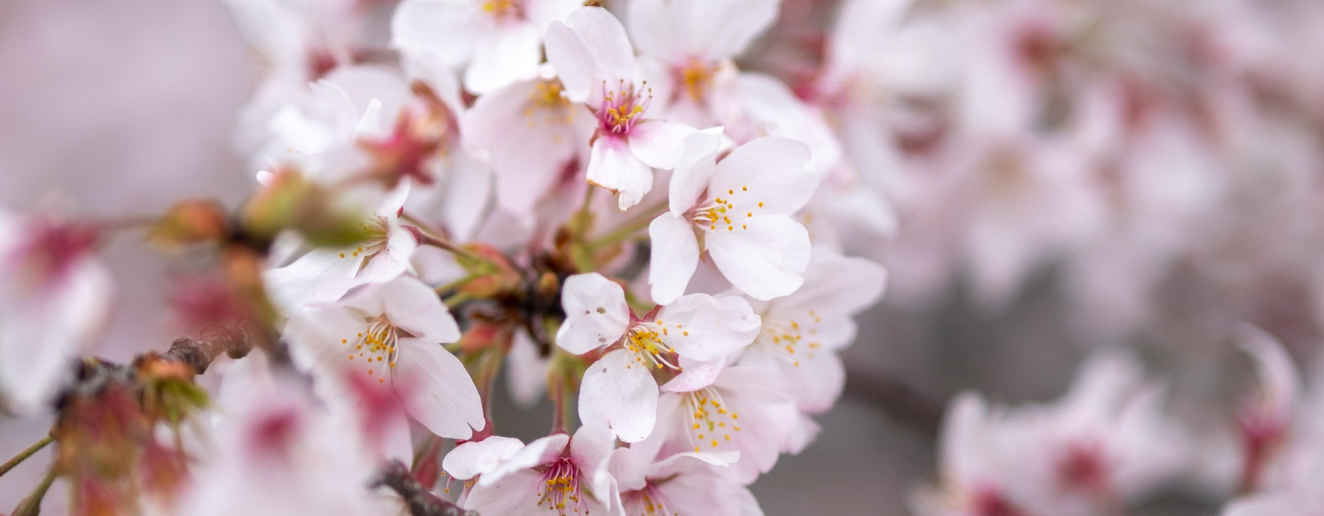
[426, 239]
[896, 398]
[420, 500]
[25, 454]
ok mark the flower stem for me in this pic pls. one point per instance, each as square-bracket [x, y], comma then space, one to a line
[25, 454]
[628, 228]
[31, 506]
[425, 238]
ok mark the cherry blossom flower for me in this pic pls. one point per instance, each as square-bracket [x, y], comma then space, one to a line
[743, 411]
[739, 211]
[596, 64]
[691, 44]
[497, 41]
[533, 133]
[391, 334]
[802, 332]
[473, 458]
[685, 483]
[54, 298]
[619, 390]
[557, 473]
[324, 275]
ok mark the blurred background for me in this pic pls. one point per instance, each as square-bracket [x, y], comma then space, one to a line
[118, 108]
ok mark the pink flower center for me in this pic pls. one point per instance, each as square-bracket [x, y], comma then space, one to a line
[560, 488]
[51, 252]
[622, 107]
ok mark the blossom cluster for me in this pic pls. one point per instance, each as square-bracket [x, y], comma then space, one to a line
[662, 218]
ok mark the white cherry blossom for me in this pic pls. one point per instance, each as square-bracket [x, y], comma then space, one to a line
[594, 59]
[498, 42]
[685, 483]
[619, 390]
[55, 295]
[739, 211]
[803, 332]
[391, 334]
[557, 474]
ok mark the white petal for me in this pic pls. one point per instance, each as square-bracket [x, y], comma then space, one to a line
[321, 276]
[694, 169]
[512, 54]
[540, 451]
[836, 284]
[443, 29]
[474, 458]
[410, 305]
[1279, 382]
[659, 144]
[705, 328]
[590, 47]
[695, 375]
[674, 256]
[765, 258]
[628, 468]
[528, 149]
[436, 389]
[611, 165]
[514, 494]
[591, 447]
[468, 189]
[769, 170]
[596, 313]
[620, 394]
[527, 379]
[677, 30]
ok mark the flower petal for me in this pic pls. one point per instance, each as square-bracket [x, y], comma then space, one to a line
[540, 451]
[694, 169]
[659, 144]
[674, 256]
[511, 54]
[765, 258]
[611, 165]
[588, 48]
[704, 328]
[620, 394]
[410, 305]
[436, 389]
[443, 29]
[766, 176]
[474, 458]
[596, 313]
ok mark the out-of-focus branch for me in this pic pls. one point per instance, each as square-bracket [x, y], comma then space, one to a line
[421, 502]
[199, 353]
[895, 398]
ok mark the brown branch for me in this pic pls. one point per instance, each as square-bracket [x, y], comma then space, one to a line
[421, 502]
[199, 353]
[896, 398]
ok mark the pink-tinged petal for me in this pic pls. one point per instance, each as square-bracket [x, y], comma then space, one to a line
[695, 375]
[540, 451]
[628, 468]
[445, 30]
[674, 256]
[410, 305]
[694, 169]
[542, 13]
[659, 144]
[704, 328]
[591, 447]
[619, 394]
[529, 144]
[395, 200]
[386, 266]
[678, 30]
[770, 108]
[1280, 385]
[611, 165]
[511, 54]
[596, 313]
[1267, 504]
[837, 285]
[527, 380]
[321, 276]
[40, 334]
[468, 187]
[588, 48]
[770, 171]
[315, 338]
[816, 383]
[436, 389]
[474, 458]
[516, 494]
[765, 258]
